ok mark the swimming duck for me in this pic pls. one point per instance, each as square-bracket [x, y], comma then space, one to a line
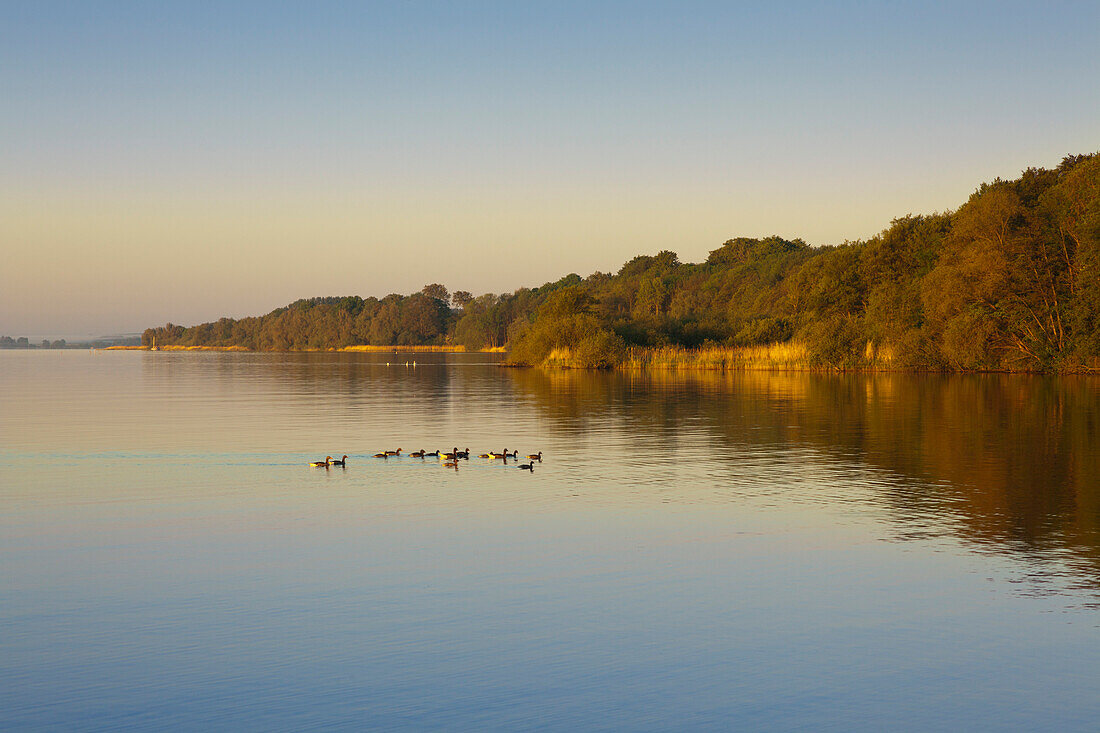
[527, 466]
[324, 463]
[463, 453]
[394, 453]
[513, 454]
[381, 455]
[535, 457]
[342, 462]
[434, 453]
[418, 454]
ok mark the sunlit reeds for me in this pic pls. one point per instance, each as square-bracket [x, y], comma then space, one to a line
[370, 348]
[787, 355]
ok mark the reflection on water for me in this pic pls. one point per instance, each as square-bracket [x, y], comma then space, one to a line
[1004, 459]
[775, 550]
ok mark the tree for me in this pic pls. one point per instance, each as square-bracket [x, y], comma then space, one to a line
[437, 291]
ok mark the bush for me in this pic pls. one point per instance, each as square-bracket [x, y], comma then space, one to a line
[834, 342]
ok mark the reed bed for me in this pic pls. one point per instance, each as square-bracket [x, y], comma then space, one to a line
[357, 347]
[422, 349]
[562, 358]
[787, 355]
[175, 347]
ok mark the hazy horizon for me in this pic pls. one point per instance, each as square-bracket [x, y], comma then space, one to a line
[186, 162]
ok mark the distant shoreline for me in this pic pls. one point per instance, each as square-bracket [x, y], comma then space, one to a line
[356, 348]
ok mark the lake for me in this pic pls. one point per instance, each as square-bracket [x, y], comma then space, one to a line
[695, 551]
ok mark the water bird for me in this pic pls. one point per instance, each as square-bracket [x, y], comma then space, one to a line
[434, 453]
[462, 453]
[324, 463]
[513, 454]
[486, 455]
[342, 462]
[535, 457]
[381, 455]
[527, 466]
[394, 453]
[418, 454]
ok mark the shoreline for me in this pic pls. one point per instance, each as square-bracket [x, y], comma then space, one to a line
[774, 358]
[361, 348]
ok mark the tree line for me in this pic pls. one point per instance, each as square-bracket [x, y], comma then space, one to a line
[22, 342]
[1008, 281]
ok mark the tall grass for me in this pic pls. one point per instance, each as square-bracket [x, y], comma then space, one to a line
[374, 348]
[176, 347]
[787, 355]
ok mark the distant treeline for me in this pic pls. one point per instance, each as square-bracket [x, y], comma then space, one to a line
[7, 342]
[1009, 281]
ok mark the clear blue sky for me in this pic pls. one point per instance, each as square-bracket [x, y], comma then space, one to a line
[182, 161]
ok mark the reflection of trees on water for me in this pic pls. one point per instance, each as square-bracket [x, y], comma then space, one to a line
[324, 389]
[1004, 459]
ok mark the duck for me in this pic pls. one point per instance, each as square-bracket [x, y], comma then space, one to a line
[394, 453]
[505, 454]
[513, 454]
[324, 463]
[527, 466]
[486, 455]
[418, 454]
[381, 455]
[535, 457]
[452, 456]
[463, 453]
[342, 462]
[434, 453]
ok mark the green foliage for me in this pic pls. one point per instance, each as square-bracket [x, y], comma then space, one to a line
[834, 340]
[1011, 280]
[764, 331]
[576, 339]
[438, 292]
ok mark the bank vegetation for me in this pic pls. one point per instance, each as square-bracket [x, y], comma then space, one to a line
[1010, 281]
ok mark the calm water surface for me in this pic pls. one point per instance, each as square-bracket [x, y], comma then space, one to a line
[781, 551]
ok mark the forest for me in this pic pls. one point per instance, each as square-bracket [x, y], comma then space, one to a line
[1010, 281]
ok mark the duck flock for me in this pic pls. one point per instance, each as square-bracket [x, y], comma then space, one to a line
[449, 460]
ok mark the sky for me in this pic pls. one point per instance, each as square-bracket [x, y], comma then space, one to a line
[186, 161]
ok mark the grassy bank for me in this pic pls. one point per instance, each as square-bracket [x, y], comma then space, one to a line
[173, 347]
[440, 349]
[357, 348]
[786, 356]
[789, 355]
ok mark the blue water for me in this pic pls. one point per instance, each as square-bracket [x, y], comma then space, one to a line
[778, 551]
